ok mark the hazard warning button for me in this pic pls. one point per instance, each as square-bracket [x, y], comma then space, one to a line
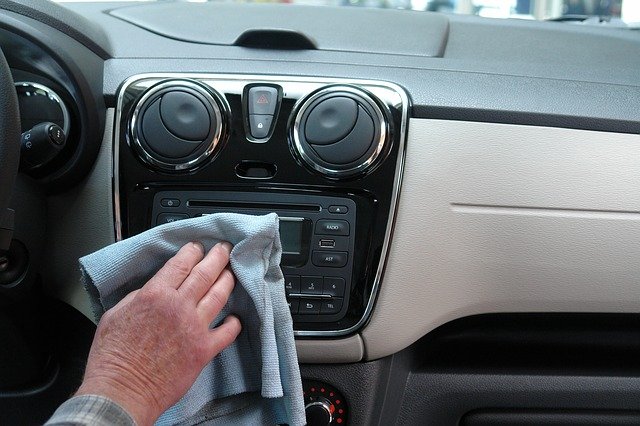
[263, 100]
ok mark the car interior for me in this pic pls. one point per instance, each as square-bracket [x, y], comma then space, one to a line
[458, 194]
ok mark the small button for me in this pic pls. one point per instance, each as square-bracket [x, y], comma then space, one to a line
[263, 100]
[292, 284]
[260, 125]
[170, 202]
[170, 217]
[309, 306]
[338, 209]
[311, 285]
[56, 134]
[332, 306]
[332, 259]
[293, 305]
[332, 227]
[333, 286]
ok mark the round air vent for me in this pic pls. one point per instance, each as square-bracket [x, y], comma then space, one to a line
[340, 131]
[178, 124]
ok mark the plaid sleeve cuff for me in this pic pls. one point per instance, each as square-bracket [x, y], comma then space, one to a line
[90, 410]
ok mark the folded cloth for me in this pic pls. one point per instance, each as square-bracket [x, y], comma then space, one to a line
[258, 375]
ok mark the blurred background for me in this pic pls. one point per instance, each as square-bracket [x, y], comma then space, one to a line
[624, 13]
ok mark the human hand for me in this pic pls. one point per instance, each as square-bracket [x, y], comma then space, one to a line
[149, 348]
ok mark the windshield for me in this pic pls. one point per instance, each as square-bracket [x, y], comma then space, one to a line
[605, 11]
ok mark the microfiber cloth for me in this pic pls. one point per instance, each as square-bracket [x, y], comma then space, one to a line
[256, 380]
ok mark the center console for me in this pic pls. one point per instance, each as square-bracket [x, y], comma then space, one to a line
[325, 155]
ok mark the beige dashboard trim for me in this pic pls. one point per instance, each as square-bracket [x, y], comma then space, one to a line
[330, 351]
[79, 222]
[509, 218]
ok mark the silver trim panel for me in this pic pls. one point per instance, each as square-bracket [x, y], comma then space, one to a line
[297, 88]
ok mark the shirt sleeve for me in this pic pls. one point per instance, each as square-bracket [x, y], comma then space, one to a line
[90, 410]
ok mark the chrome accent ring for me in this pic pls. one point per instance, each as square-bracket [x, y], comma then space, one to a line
[221, 111]
[66, 117]
[299, 150]
[323, 405]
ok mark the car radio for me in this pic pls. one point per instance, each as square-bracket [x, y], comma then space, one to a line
[317, 235]
[326, 155]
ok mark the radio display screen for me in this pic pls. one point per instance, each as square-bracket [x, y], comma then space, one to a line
[291, 235]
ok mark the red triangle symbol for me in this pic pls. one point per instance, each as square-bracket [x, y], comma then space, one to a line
[262, 100]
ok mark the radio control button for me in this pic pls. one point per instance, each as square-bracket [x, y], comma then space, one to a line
[332, 227]
[292, 284]
[309, 306]
[311, 285]
[333, 286]
[339, 209]
[293, 305]
[170, 202]
[332, 306]
[332, 259]
[170, 217]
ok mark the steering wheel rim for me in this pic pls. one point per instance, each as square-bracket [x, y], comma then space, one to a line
[9, 149]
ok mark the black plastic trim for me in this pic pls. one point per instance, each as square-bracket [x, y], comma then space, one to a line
[526, 118]
[275, 39]
[515, 417]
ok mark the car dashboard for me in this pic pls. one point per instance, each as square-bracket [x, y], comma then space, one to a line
[458, 196]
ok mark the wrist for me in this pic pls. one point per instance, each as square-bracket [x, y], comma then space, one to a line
[134, 402]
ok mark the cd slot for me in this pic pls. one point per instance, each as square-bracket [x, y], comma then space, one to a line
[253, 205]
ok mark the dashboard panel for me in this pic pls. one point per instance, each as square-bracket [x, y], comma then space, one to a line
[496, 185]
[325, 154]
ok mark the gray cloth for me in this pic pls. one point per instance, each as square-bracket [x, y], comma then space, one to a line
[263, 358]
[91, 410]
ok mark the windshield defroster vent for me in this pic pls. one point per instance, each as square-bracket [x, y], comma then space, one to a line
[275, 39]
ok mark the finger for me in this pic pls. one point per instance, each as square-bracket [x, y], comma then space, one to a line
[224, 335]
[174, 272]
[205, 273]
[216, 297]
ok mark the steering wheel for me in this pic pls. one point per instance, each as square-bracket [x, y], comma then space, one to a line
[9, 151]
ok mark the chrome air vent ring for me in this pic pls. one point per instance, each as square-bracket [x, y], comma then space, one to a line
[177, 125]
[340, 131]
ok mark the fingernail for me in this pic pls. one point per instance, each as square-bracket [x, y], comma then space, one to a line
[199, 246]
[227, 246]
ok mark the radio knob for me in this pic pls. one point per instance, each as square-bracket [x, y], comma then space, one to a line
[340, 131]
[319, 413]
[178, 124]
